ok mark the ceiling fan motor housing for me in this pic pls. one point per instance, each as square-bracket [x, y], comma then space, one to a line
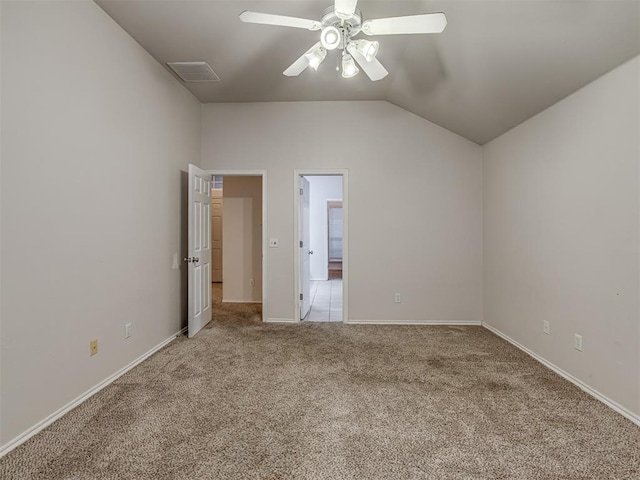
[348, 27]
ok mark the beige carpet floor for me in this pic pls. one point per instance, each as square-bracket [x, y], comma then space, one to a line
[247, 400]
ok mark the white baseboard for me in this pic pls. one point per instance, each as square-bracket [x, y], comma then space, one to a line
[280, 320]
[635, 418]
[239, 301]
[41, 425]
[416, 322]
[20, 439]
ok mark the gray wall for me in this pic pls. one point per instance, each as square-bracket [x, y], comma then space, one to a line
[561, 238]
[415, 201]
[95, 136]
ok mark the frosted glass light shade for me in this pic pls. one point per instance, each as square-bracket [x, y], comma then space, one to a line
[349, 68]
[368, 49]
[316, 57]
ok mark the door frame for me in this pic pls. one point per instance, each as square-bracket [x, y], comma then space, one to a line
[263, 175]
[345, 237]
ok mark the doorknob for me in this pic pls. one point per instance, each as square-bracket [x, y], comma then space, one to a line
[196, 259]
[192, 259]
[187, 259]
[310, 252]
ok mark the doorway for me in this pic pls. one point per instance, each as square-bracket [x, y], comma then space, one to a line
[238, 239]
[321, 240]
[226, 214]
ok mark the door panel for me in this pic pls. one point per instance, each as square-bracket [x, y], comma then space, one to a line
[216, 234]
[216, 262]
[199, 259]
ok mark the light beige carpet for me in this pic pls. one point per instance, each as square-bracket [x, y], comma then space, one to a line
[247, 400]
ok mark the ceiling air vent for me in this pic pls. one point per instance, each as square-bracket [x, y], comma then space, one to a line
[191, 72]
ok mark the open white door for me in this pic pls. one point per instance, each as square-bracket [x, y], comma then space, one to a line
[304, 252]
[199, 259]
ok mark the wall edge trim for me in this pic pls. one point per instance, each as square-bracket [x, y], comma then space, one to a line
[241, 301]
[625, 412]
[416, 322]
[44, 423]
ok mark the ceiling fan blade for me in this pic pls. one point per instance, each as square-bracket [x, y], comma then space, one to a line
[280, 20]
[374, 69]
[297, 67]
[425, 23]
[300, 65]
[345, 8]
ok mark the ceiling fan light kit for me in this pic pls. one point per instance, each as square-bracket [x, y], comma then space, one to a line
[316, 56]
[367, 49]
[330, 37]
[349, 68]
[339, 24]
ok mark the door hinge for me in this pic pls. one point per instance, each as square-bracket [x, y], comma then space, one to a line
[301, 296]
[301, 244]
[301, 191]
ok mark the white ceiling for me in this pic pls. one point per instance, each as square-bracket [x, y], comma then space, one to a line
[497, 63]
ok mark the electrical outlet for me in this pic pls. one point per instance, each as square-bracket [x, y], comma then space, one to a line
[252, 282]
[127, 330]
[397, 298]
[545, 326]
[577, 342]
[93, 347]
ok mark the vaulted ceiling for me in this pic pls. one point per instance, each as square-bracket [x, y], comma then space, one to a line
[496, 64]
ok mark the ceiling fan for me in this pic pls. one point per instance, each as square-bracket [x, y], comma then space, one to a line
[339, 24]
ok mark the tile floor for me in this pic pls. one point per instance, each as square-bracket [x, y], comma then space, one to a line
[326, 301]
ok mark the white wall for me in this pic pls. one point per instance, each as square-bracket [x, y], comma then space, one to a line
[561, 234]
[242, 239]
[95, 136]
[321, 189]
[430, 249]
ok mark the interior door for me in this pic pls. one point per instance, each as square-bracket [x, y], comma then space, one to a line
[304, 236]
[216, 235]
[199, 259]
